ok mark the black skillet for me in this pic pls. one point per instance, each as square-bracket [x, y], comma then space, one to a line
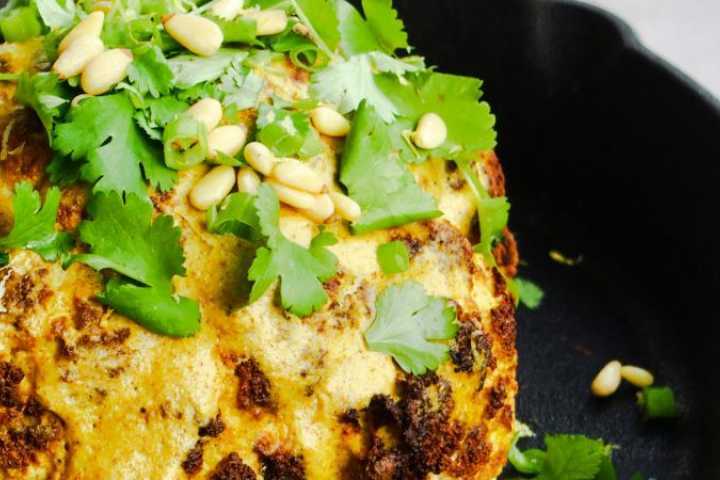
[611, 154]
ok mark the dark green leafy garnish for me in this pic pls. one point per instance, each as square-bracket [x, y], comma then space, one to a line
[528, 293]
[237, 215]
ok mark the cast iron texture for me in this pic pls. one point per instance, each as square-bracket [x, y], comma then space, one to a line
[613, 155]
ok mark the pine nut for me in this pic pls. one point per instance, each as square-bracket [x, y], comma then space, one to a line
[290, 196]
[247, 180]
[639, 377]
[323, 209]
[259, 157]
[296, 174]
[329, 122]
[431, 132]
[227, 9]
[213, 187]
[346, 207]
[105, 71]
[91, 25]
[208, 111]
[228, 139]
[269, 22]
[77, 55]
[198, 34]
[607, 380]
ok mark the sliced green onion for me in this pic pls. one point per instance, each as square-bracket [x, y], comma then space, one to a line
[658, 402]
[393, 257]
[185, 142]
[20, 24]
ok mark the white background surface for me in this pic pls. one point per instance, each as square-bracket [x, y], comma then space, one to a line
[685, 32]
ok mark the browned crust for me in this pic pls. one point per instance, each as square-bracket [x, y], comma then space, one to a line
[253, 386]
[232, 468]
[506, 251]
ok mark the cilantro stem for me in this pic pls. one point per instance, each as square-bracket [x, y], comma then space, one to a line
[313, 33]
[472, 179]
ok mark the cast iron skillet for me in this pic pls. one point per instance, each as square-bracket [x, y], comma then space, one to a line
[613, 154]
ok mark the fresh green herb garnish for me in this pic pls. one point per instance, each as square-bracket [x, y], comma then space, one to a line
[393, 257]
[156, 113]
[190, 70]
[287, 133]
[123, 237]
[380, 30]
[410, 326]
[529, 294]
[299, 269]
[34, 226]
[658, 402]
[237, 215]
[56, 15]
[20, 24]
[378, 180]
[102, 131]
[46, 94]
[150, 72]
[4, 259]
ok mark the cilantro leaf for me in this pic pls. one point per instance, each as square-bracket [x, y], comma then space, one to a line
[455, 99]
[34, 226]
[299, 269]
[149, 72]
[319, 16]
[567, 457]
[408, 323]
[237, 215]
[123, 237]
[393, 257]
[529, 293]
[153, 309]
[385, 24]
[20, 24]
[287, 133]
[102, 131]
[156, 113]
[191, 70]
[46, 94]
[356, 35]
[240, 29]
[241, 87]
[55, 15]
[378, 180]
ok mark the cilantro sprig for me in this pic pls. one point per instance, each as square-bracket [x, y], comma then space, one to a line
[123, 237]
[34, 225]
[410, 326]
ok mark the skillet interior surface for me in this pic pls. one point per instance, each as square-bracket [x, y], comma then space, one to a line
[612, 155]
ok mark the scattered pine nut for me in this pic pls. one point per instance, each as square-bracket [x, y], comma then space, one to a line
[431, 132]
[346, 207]
[77, 55]
[259, 157]
[91, 25]
[228, 139]
[329, 122]
[105, 71]
[208, 111]
[296, 174]
[269, 22]
[293, 197]
[227, 9]
[639, 377]
[213, 187]
[323, 209]
[198, 34]
[247, 180]
[607, 380]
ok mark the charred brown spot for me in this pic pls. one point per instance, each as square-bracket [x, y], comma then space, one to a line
[254, 386]
[232, 468]
[281, 465]
[161, 200]
[19, 292]
[471, 348]
[194, 459]
[506, 253]
[350, 417]
[107, 339]
[494, 172]
[87, 313]
[413, 244]
[213, 428]
[474, 452]
[10, 378]
[503, 323]
[28, 152]
[496, 399]
[72, 206]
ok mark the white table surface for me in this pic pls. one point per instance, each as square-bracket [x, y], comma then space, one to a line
[684, 32]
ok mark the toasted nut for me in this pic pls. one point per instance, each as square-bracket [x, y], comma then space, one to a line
[208, 111]
[198, 34]
[228, 139]
[431, 131]
[77, 55]
[296, 174]
[213, 187]
[329, 122]
[346, 207]
[91, 25]
[290, 196]
[323, 209]
[105, 71]
[269, 22]
[259, 157]
[247, 180]
[637, 376]
[227, 9]
[607, 380]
